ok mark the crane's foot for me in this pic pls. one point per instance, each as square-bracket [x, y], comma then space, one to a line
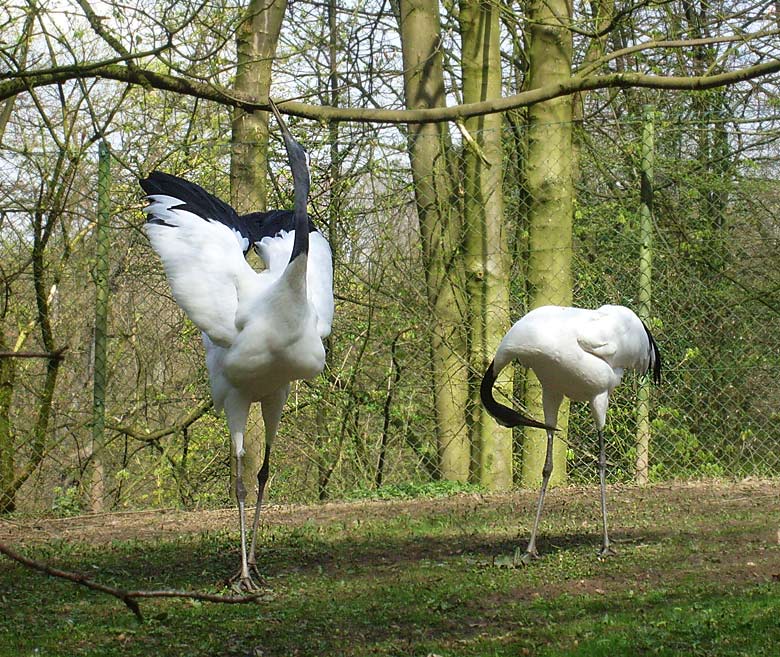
[518, 559]
[606, 551]
[256, 575]
[243, 584]
[523, 558]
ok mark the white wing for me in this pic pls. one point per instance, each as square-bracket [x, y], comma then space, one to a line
[204, 264]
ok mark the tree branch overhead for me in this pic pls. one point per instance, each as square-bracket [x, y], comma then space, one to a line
[18, 83]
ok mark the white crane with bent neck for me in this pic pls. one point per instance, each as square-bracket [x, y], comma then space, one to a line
[576, 353]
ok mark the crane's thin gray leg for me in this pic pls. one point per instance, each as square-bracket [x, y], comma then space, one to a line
[551, 402]
[272, 414]
[237, 411]
[244, 580]
[530, 552]
[262, 480]
[598, 409]
[606, 550]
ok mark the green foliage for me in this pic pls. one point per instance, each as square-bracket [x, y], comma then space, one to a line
[67, 501]
[411, 490]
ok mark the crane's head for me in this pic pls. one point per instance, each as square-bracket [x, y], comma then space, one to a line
[295, 152]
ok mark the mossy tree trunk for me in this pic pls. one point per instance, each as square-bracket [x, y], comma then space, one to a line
[487, 257]
[441, 232]
[549, 175]
[256, 41]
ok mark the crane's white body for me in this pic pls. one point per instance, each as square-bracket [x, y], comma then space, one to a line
[274, 314]
[261, 330]
[577, 353]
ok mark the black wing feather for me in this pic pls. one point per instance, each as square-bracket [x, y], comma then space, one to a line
[269, 224]
[253, 226]
[197, 200]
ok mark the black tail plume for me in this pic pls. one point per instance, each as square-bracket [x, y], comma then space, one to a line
[504, 415]
[655, 356]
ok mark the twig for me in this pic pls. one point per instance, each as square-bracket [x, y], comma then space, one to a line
[59, 354]
[128, 597]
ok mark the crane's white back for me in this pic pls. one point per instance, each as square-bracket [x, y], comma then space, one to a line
[578, 352]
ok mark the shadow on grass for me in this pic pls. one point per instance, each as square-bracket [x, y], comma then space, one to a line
[208, 560]
[403, 587]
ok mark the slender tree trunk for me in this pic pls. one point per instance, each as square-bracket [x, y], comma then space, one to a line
[644, 293]
[7, 380]
[549, 175]
[487, 244]
[100, 361]
[440, 231]
[331, 96]
[256, 41]
[37, 438]
[8, 365]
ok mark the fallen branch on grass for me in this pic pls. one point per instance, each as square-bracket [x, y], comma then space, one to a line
[130, 598]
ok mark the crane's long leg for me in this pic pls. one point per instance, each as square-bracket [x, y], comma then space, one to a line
[606, 550]
[244, 577]
[551, 403]
[530, 552]
[262, 479]
[272, 413]
[598, 409]
[237, 410]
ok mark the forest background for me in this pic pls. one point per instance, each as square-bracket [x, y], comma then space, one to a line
[469, 160]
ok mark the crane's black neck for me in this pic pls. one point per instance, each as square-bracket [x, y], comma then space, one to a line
[300, 172]
[504, 415]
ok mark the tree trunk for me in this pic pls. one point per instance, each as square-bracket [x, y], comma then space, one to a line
[336, 201]
[100, 344]
[8, 365]
[549, 175]
[487, 245]
[256, 41]
[7, 379]
[440, 231]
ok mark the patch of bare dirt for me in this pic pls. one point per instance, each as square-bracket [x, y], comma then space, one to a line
[665, 502]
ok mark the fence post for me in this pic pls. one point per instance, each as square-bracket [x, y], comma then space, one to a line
[101, 326]
[645, 289]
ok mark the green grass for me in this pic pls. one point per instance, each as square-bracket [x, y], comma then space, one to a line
[409, 491]
[696, 574]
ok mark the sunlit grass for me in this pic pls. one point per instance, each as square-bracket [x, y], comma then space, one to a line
[402, 580]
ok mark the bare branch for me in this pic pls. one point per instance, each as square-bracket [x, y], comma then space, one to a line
[673, 44]
[52, 355]
[130, 598]
[190, 419]
[95, 22]
[16, 85]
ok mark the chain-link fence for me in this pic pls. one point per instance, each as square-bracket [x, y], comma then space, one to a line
[714, 312]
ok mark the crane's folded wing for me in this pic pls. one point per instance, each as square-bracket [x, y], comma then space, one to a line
[596, 336]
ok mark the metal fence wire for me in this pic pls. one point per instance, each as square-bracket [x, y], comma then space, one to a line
[714, 308]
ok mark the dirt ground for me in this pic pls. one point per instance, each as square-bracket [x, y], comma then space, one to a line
[623, 501]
